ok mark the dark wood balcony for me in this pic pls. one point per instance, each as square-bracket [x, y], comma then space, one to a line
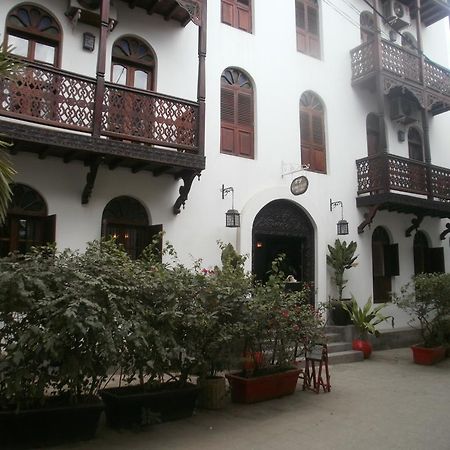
[431, 11]
[136, 129]
[404, 185]
[402, 68]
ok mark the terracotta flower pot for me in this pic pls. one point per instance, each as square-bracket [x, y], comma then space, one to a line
[362, 346]
[427, 356]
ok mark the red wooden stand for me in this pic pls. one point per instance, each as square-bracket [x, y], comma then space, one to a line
[316, 362]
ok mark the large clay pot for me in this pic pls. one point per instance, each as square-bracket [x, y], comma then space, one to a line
[213, 392]
[362, 346]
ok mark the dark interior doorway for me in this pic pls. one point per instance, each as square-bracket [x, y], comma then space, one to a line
[283, 227]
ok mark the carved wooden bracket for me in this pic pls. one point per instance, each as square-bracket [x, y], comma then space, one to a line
[445, 232]
[90, 180]
[415, 223]
[188, 178]
[368, 218]
[194, 8]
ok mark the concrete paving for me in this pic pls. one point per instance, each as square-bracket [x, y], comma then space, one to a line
[384, 403]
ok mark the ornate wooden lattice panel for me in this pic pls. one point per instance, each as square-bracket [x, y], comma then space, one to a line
[385, 172]
[399, 61]
[363, 61]
[437, 78]
[49, 96]
[151, 118]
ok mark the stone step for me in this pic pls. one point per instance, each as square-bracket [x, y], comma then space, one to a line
[347, 356]
[335, 347]
[333, 337]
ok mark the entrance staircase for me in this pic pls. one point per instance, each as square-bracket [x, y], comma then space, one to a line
[339, 340]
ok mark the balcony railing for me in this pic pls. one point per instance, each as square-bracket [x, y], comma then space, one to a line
[65, 100]
[386, 173]
[400, 62]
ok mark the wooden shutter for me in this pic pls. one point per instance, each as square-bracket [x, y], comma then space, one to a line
[244, 116]
[391, 260]
[227, 113]
[305, 135]
[227, 12]
[49, 229]
[243, 17]
[300, 18]
[308, 28]
[436, 263]
[313, 140]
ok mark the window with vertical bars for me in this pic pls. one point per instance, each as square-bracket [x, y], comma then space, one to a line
[312, 132]
[308, 27]
[236, 114]
[237, 13]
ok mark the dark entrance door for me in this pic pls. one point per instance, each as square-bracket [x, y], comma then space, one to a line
[283, 227]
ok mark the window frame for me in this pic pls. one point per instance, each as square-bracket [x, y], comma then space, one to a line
[236, 9]
[309, 42]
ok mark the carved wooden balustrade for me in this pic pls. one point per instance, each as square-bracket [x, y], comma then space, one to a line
[62, 99]
[386, 173]
[399, 62]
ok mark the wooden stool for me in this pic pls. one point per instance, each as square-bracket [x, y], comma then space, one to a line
[313, 375]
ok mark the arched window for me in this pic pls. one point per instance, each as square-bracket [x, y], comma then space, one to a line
[27, 223]
[415, 146]
[385, 264]
[308, 27]
[312, 132]
[236, 114]
[126, 219]
[409, 41]
[426, 258]
[34, 34]
[133, 63]
[237, 13]
[373, 134]
[367, 26]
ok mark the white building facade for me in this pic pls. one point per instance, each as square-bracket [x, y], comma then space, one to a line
[118, 112]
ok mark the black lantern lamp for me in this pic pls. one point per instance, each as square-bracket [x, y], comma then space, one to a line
[342, 225]
[232, 216]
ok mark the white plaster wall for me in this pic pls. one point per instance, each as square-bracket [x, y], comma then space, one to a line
[280, 75]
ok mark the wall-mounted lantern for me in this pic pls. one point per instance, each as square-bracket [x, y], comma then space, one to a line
[232, 216]
[342, 225]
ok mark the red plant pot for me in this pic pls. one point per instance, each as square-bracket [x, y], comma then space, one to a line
[427, 356]
[266, 387]
[362, 346]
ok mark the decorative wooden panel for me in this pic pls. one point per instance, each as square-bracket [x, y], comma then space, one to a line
[308, 27]
[237, 13]
[363, 60]
[385, 172]
[399, 61]
[147, 117]
[49, 96]
[437, 78]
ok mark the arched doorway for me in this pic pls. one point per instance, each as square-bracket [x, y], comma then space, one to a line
[283, 227]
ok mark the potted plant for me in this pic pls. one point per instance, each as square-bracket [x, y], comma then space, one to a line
[276, 326]
[58, 326]
[340, 257]
[365, 320]
[427, 299]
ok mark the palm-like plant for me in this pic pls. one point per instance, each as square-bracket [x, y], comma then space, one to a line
[8, 68]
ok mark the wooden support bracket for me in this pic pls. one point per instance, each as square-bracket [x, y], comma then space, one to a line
[445, 232]
[90, 180]
[368, 218]
[188, 178]
[415, 223]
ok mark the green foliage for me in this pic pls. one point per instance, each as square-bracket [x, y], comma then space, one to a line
[340, 258]
[427, 299]
[366, 318]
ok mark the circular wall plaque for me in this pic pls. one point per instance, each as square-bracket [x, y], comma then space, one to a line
[299, 185]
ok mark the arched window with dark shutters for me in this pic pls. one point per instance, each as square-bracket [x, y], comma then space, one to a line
[427, 259]
[236, 113]
[125, 219]
[34, 34]
[237, 13]
[312, 132]
[415, 146]
[308, 27]
[133, 63]
[27, 223]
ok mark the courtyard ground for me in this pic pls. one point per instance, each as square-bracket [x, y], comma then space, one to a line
[384, 403]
